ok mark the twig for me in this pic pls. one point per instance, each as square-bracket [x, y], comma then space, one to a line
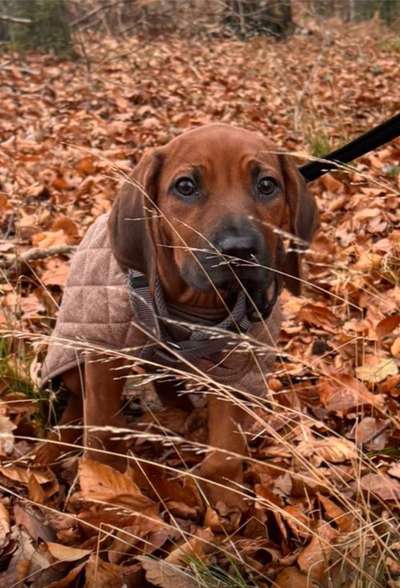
[37, 253]
[6, 18]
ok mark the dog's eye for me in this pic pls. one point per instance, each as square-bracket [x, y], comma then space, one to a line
[185, 186]
[267, 186]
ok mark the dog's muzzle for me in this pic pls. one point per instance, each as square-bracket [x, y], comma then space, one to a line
[236, 257]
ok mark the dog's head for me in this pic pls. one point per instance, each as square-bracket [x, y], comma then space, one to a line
[207, 209]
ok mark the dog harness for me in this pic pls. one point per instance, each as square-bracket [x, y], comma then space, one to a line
[192, 337]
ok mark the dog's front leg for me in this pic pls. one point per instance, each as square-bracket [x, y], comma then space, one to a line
[225, 424]
[104, 383]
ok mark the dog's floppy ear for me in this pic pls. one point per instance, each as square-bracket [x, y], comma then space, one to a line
[130, 218]
[304, 220]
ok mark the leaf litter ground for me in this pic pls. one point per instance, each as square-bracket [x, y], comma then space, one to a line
[324, 473]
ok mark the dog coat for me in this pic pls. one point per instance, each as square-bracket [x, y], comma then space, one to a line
[102, 310]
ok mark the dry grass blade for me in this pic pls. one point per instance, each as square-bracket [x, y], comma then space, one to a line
[322, 475]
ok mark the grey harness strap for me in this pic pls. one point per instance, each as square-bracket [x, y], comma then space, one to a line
[152, 313]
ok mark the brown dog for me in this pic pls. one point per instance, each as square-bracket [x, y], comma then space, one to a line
[201, 225]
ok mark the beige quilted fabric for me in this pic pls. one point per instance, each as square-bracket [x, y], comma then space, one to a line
[95, 308]
[95, 311]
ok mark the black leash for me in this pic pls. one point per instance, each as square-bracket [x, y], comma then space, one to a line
[367, 142]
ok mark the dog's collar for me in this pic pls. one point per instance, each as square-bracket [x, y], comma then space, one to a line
[192, 338]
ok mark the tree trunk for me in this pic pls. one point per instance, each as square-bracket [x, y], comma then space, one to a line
[259, 17]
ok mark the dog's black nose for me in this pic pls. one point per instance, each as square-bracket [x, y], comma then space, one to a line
[241, 247]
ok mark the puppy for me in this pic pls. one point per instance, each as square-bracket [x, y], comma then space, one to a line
[183, 273]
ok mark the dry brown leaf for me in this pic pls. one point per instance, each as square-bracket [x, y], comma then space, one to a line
[86, 165]
[365, 430]
[6, 435]
[345, 521]
[317, 315]
[22, 475]
[376, 372]
[33, 522]
[47, 239]
[331, 183]
[297, 520]
[4, 524]
[292, 578]
[144, 534]
[100, 573]
[195, 546]
[56, 273]
[166, 575]
[342, 393]
[104, 483]
[394, 470]
[332, 449]
[387, 325]
[66, 553]
[67, 582]
[395, 348]
[68, 226]
[314, 559]
[35, 491]
[381, 486]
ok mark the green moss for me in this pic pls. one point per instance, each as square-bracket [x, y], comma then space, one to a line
[320, 144]
[48, 31]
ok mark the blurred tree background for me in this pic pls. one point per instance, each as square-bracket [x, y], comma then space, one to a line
[49, 25]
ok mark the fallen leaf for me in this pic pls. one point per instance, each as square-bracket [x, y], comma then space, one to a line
[314, 559]
[296, 519]
[377, 372]
[22, 474]
[166, 575]
[6, 435]
[394, 470]
[331, 183]
[46, 239]
[345, 521]
[332, 449]
[387, 325]
[4, 524]
[104, 483]
[100, 573]
[395, 348]
[33, 522]
[68, 226]
[342, 393]
[195, 546]
[317, 315]
[86, 165]
[56, 273]
[66, 553]
[381, 486]
[368, 428]
[35, 491]
[67, 582]
[292, 578]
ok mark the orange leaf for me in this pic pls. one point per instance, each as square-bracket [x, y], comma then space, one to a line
[314, 559]
[387, 325]
[381, 486]
[66, 553]
[292, 578]
[166, 575]
[104, 483]
[342, 393]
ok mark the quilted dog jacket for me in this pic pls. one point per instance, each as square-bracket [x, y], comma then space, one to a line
[96, 313]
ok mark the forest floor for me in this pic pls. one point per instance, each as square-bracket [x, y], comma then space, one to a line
[324, 473]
